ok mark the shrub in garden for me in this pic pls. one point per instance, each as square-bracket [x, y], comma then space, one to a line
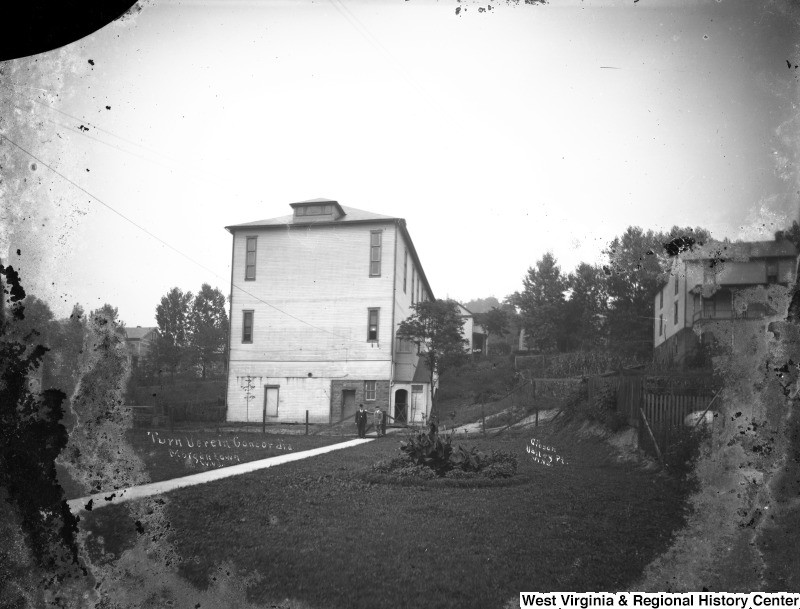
[429, 456]
[429, 450]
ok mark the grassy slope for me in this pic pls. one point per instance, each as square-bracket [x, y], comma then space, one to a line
[316, 532]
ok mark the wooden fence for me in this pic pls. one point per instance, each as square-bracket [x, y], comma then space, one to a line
[666, 416]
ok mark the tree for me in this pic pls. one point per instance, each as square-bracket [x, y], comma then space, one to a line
[495, 322]
[172, 317]
[209, 327]
[639, 263]
[586, 309]
[435, 327]
[541, 304]
[482, 305]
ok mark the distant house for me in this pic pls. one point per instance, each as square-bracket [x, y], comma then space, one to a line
[472, 332]
[138, 341]
[715, 285]
[316, 300]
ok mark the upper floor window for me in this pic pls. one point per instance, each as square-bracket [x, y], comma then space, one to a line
[661, 299]
[676, 313]
[405, 270]
[372, 325]
[250, 259]
[772, 272]
[660, 325]
[375, 253]
[709, 307]
[413, 275]
[676, 284]
[404, 346]
[247, 327]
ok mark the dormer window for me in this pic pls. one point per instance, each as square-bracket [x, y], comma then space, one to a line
[314, 210]
[317, 210]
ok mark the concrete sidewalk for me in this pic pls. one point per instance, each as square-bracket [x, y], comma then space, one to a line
[99, 500]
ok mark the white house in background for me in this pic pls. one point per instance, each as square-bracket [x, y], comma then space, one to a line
[316, 300]
[138, 341]
[716, 285]
[473, 333]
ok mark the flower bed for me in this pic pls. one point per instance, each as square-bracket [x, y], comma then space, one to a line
[431, 456]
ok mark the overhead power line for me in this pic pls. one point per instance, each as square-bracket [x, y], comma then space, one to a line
[166, 244]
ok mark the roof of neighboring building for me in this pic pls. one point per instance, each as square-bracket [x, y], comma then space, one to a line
[351, 216]
[465, 312]
[138, 332]
[778, 248]
[423, 373]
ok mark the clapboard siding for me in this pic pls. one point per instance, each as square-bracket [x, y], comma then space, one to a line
[319, 275]
[405, 361]
[310, 300]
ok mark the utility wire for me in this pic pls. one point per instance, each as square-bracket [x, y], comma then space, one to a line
[166, 244]
[87, 122]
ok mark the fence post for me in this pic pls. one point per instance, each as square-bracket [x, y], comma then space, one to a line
[483, 419]
[537, 418]
[306, 422]
[652, 437]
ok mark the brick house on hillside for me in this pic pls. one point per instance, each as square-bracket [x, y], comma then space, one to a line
[316, 300]
[715, 285]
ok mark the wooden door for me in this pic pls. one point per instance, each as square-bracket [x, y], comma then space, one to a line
[348, 403]
[271, 401]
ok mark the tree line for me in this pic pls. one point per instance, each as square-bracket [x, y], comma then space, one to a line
[596, 306]
[192, 334]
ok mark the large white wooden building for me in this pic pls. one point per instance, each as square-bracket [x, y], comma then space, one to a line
[316, 300]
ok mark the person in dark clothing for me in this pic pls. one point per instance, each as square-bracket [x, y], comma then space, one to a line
[383, 422]
[361, 421]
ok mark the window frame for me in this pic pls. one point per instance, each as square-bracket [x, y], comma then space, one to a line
[676, 285]
[772, 265]
[377, 312]
[370, 391]
[252, 315]
[661, 325]
[413, 277]
[405, 270]
[661, 299]
[676, 313]
[247, 265]
[373, 250]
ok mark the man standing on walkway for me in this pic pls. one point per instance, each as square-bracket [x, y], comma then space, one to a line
[378, 421]
[361, 421]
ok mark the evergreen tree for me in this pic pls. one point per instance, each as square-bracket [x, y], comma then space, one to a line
[541, 304]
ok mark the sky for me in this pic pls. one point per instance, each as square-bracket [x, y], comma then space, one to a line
[498, 134]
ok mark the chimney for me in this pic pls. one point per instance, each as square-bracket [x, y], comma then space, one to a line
[780, 235]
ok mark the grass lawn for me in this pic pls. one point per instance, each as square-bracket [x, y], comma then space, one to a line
[317, 532]
[173, 454]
